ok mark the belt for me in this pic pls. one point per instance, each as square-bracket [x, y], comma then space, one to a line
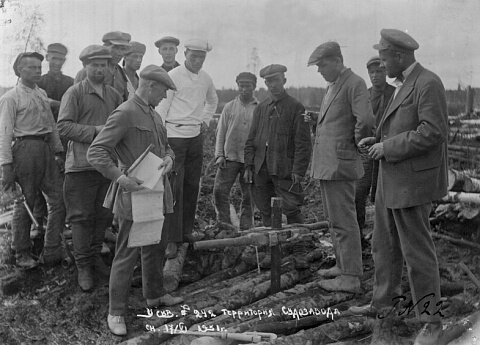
[42, 137]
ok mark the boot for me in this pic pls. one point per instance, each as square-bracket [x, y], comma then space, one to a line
[25, 260]
[171, 251]
[85, 278]
[116, 324]
[165, 300]
[52, 256]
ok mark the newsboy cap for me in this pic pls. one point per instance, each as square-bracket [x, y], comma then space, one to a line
[246, 76]
[156, 73]
[272, 70]
[375, 60]
[198, 44]
[57, 49]
[394, 39]
[136, 47]
[94, 51]
[25, 55]
[327, 49]
[117, 38]
[167, 39]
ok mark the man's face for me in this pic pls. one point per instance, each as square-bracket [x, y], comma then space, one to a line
[118, 52]
[133, 61]
[158, 91]
[391, 61]
[329, 68]
[168, 52]
[30, 70]
[96, 70]
[55, 62]
[194, 59]
[245, 89]
[377, 75]
[275, 84]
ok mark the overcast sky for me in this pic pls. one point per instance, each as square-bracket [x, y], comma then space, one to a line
[283, 31]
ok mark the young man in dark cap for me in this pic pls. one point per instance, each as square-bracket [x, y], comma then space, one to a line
[232, 133]
[411, 146]
[34, 160]
[168, 48]
[345, 118]
[131, 64]
[278, 148]
[84, 110]
[130, 129]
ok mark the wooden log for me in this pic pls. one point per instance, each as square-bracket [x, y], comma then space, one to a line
[172, 271]
[458, 241]
[462, 197]
[463, 332]
[459, 181]
[6, 218]
[472, 276]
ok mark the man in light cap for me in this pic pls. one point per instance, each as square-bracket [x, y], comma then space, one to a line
[84, 110]
[34, 160]
[131, 128]
[411, 145]
[277, 151]
[168, 48]
[345, 118]
[131, 64]
[119, 44]
[232, 132]
[185, 112]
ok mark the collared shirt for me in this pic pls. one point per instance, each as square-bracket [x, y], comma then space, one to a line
[82, 109]
[379, 99]
[55, 85]
[330, 86]
[25, 111]
[398, 82]
[169, 68]
[233, 128]
[114, 76]
[130, 87]
[194, 102]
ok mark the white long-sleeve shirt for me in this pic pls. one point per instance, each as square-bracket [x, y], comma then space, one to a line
[194, 102]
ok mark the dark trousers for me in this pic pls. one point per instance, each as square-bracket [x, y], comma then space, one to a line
[404, 235]
[84, 193]
[124, 263]
[268, 186]
[188, 169]
[224, 181]
[37, 172]
[362, 190]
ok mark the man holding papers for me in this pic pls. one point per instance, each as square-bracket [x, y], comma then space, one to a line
[129, 131]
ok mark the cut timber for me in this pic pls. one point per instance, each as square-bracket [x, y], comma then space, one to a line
[472, 276]
[6, 218]
[463, 331]
[172, 271]
[460, 181]
[462, 197]
[460, 241]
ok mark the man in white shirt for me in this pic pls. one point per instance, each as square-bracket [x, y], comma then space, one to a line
[185, 112]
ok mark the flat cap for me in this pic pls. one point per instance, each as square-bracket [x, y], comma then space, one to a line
[25, 55]
[95, 51]
[117, 38]
[272, 70]
[136, 47]
[156, 73]
[394, 39]
[198, 44]
[246, 76]
[375, 60]
[327, 49]
[167, 39]
[57, 48]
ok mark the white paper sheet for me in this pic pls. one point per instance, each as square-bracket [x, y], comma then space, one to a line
[147, 170]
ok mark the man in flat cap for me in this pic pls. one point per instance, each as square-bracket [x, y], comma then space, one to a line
[131, 128]
[168, 48]
[411, 146]
[185, 112]
[34, 159]
[380, 94]
[278, 148]
[232, 132]
[345, 118]
[84, 110]
[131, 64]
[119, 44]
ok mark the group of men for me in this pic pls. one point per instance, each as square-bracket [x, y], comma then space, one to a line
[108, 118]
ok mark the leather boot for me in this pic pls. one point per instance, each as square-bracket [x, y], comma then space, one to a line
[85, 278]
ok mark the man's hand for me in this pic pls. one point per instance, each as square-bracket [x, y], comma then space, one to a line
[296, 178]
[221, 162]
[130, 184]
[310, 117]
[365, 144]
[167, 163]
[60, 163]
[8, 177]
[248, 175]
[376, 151]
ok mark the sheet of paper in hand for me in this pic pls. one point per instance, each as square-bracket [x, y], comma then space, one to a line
[147, 170]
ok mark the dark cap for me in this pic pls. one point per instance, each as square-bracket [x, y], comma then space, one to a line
[246, 76]
[167, 39]
[397, 40]
[117, 38]
[272, 70]
[327, 49]
[94, 51]
[25, 55]
[136, 47]
[57, 49]
[373, 61]
[156, 73]
[198, 44]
